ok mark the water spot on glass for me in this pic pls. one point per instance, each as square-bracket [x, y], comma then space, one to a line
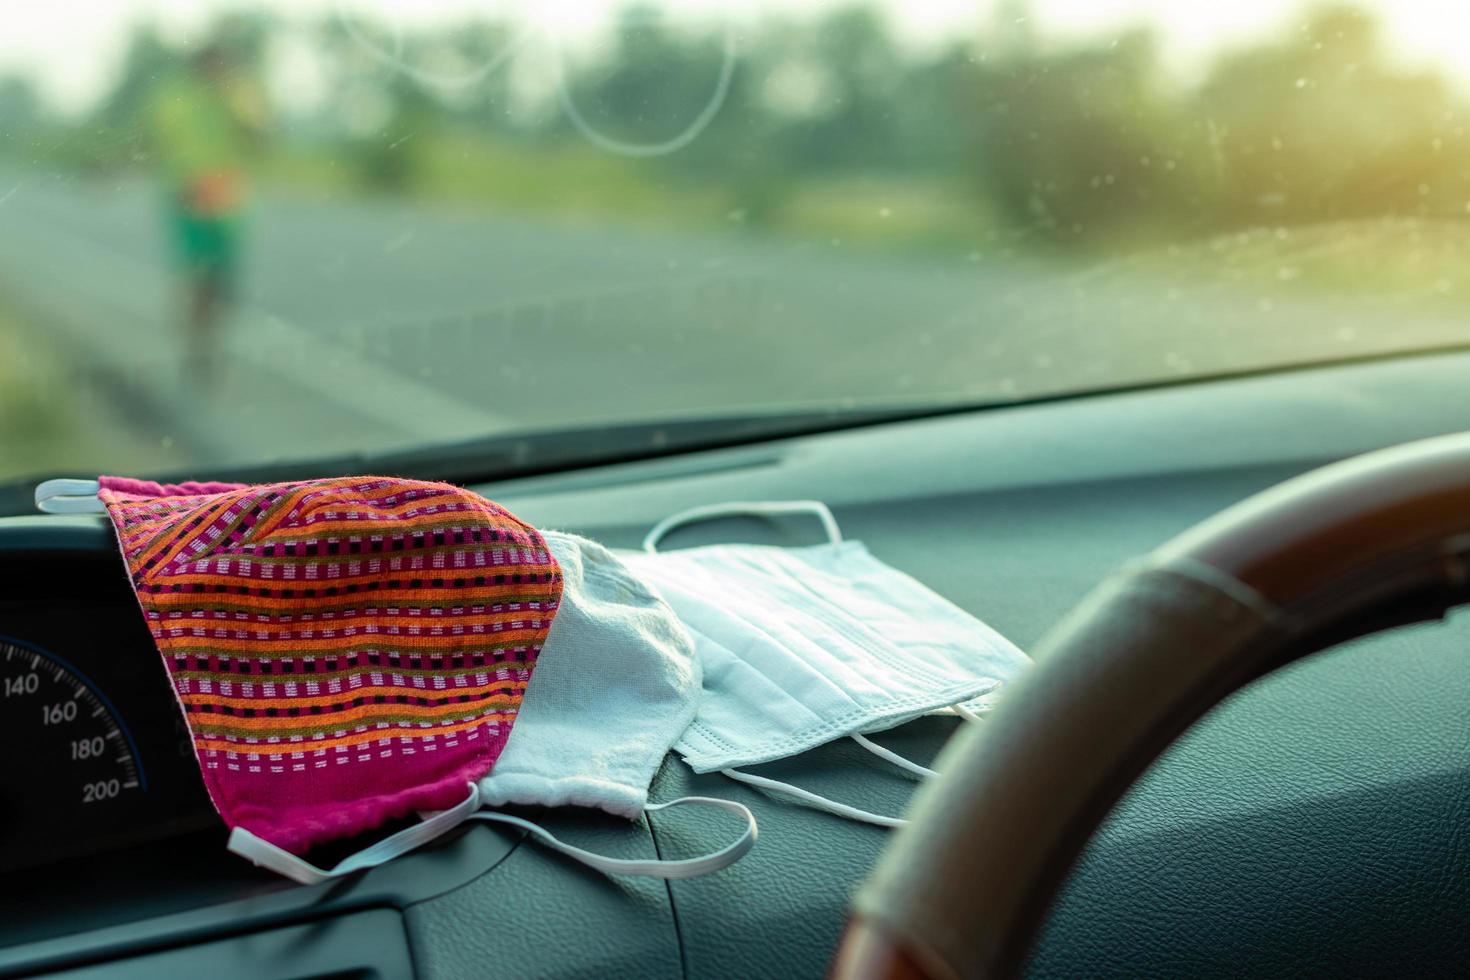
[167, 442]
[885, 212]
[1302, 82]
[1287, 273]
[1346, 334]
[1266, 304]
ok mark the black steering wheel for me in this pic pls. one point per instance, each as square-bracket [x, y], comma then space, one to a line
[1372, 543]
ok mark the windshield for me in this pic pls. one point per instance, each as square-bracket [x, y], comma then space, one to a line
[233, 233]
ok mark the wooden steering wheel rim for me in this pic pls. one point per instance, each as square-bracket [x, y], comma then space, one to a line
[1372, 543]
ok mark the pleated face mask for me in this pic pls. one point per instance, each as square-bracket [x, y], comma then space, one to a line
[345, 652]
[801, 646]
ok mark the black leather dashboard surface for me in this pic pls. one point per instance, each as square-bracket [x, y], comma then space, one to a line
[1314, 824]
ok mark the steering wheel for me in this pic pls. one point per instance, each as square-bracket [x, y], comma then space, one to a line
[1376, 542]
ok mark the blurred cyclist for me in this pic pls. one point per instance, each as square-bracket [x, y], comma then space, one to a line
[205, 123]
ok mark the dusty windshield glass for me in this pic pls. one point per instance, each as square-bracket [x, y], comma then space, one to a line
[236, 232]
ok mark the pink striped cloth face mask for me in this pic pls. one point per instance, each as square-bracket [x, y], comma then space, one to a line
[345, 651]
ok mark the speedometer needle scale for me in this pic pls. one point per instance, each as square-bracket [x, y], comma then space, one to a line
[70, 760]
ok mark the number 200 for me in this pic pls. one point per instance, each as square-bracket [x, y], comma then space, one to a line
[103, 789]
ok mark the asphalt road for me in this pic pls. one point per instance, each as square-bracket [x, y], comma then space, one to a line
[373, 325]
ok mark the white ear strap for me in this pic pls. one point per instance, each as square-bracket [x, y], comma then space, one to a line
[842, 809]
[64, 496]
[267, 855]
[965, 713]
[815, 801]
[709, 512]
[688, 868]
[888, 755]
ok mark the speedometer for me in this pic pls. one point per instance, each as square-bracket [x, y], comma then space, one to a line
[70, 760]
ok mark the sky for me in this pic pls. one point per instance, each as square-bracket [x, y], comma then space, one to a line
[71, 47]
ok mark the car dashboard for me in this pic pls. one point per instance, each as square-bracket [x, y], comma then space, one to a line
[1309, 825]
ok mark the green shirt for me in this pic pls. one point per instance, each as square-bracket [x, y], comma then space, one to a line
[195, 130]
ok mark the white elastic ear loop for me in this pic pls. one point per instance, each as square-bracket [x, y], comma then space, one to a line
[908, 765]
[687, 868]
[815, 801]
[842, 809]
[888, 755]
[66, 496]
[965, 713]
[267, 855]
[742, 509]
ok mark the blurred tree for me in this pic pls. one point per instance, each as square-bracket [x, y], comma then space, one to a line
[1321, 126]
[650, 82]
[114, 134]
[1083, 145]
[21, 114]
[863, 97]
[19, 107]
[1076, 146]
[390, 157]
[148, 59]
[473, 58]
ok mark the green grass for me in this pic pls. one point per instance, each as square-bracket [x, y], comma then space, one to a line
[50, 424]
[888, 211]
[573, 181]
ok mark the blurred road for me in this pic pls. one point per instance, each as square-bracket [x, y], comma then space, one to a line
[374, 325]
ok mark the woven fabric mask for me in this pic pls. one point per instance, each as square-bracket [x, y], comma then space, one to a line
[345, 651]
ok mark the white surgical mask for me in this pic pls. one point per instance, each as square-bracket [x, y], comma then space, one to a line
[615, 684]
[802, 646]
